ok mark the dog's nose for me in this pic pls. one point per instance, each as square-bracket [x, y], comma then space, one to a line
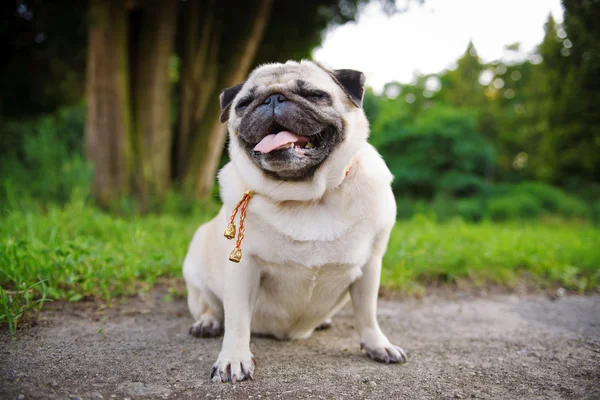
[275, 99]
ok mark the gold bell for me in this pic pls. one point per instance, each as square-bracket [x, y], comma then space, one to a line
[230, 231]
[236, 255]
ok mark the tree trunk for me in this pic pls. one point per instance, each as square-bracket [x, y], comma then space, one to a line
[207, 135]
[128, 137]
[194, 59]
[107, 131]
[151, 100]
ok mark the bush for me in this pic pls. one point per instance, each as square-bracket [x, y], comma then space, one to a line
[519, 205]
[502, 202]
[405, 208]
[461, 184]
[554, 200]
[42, 160]
[439, 152]
[442, 208]
[551, 200]
[595, 211]
[472, 209]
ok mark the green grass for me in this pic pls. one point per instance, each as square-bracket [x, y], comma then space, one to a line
[78, 252]
[423, 252]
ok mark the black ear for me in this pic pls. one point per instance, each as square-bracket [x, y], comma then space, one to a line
[353, 83]
[226, 97]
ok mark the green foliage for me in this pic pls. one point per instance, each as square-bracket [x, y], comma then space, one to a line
[464, 144]
[438, 152]
[596, 211]
[42, 164]
[554, 200]
[572, 141]
[539, 114]
[518, 205]
[461, 86]
[548, 114]
[501, 202]
[42, 159]
[424, 252]
[533, 199]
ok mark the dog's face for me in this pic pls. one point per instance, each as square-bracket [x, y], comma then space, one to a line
[288, 118]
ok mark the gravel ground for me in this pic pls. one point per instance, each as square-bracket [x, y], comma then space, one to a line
[491, 347]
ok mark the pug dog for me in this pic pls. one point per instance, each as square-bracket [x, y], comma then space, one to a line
[311, 204]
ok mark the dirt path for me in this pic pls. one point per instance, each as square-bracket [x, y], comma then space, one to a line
[501, 347]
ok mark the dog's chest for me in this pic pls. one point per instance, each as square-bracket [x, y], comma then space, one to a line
[351, 248]
[331, 232]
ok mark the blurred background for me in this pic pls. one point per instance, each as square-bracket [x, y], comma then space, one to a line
[485, 111]
[482, 109]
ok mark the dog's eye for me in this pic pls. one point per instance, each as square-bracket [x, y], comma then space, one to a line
[243, 103]
[316, 95]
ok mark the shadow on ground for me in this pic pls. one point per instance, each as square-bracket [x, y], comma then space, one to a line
[498, 347]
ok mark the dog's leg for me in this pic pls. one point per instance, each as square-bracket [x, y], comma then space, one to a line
[364, 299]
[208, 316]
[236, 362]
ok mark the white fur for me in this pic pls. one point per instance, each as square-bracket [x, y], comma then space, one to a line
[308, 245]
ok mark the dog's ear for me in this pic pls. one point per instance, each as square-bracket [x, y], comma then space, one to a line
[226, 97]
[353, 83]
[350, 80]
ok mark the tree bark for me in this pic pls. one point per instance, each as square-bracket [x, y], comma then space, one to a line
[199, 30]
[205, 143]
[152, 136]
[107, 131]
[128, 129]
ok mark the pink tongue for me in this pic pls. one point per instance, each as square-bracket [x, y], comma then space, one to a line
[273, 142]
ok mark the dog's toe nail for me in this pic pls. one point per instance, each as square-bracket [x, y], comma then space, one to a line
[403, 357]
[247, 369]
[213, 370]
[233, 378]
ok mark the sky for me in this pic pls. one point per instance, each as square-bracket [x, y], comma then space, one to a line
[430, 38]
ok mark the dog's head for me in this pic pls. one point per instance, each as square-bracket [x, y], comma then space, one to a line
[289, 118]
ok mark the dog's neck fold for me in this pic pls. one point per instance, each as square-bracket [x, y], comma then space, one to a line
[231, 231]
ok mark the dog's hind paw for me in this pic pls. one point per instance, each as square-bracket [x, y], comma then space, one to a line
[328, 323]
[206, 326]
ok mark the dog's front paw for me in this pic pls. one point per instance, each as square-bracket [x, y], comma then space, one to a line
[380, 349]
[233, 369]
